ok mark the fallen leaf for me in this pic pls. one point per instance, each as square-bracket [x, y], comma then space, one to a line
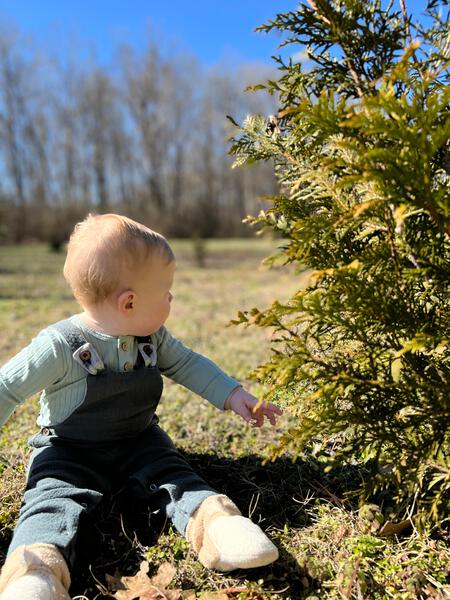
[225, 594]
[214, 596]
[391, 528]
[164, 576]
[142, 587]
[339, 534]
[234, 590]
[114, 582]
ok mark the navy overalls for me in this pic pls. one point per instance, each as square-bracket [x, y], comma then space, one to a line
[110, 441]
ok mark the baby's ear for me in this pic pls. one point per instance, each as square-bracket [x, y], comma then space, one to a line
[125, 301]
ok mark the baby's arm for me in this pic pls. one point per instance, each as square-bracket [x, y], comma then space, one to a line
[250, 408]
[203, 376]
[193, 370]
[34, 368]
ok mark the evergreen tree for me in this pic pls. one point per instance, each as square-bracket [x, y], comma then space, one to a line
[361, 150]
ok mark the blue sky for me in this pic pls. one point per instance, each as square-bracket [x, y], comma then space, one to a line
[213, 29]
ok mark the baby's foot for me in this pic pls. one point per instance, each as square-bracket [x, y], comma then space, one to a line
[238, 543]
[32, 586]
[224, 539]
[35, 572]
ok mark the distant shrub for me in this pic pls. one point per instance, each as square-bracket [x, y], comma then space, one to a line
[361, 151]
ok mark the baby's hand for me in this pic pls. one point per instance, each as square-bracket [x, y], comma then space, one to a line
[243, 404]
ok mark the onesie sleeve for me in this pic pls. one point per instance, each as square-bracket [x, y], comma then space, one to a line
[196, 372]
[38, 365]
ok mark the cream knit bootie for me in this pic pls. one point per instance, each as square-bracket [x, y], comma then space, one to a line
[225, 540]
[35, 572]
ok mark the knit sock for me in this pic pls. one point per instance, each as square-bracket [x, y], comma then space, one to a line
[225, 540]
[35, 572]
[240, 544]
[35, 586]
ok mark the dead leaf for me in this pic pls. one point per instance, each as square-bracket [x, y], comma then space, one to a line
[225, 594]
[390, 528]
[339, 534]
[234, 590]
[142, 587]
[164, 576]
[114, 582]
[214, 596]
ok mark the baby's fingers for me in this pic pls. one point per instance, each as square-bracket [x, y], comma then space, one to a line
[271, 418]
[260, 410]
[247, 415]
[265, 407]
[257, 420]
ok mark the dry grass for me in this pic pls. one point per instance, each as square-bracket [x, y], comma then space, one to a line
[327, 548]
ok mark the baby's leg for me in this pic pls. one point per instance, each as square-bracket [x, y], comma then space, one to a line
[211, 522]
[161, 477]
[59, 489]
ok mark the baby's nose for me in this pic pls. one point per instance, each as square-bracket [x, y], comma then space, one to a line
[170, 296]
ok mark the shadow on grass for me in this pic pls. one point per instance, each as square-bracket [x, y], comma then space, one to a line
[276, 496]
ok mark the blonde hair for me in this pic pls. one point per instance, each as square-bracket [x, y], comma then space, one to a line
[104, 250]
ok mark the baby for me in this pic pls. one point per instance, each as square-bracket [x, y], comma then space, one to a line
[100, 372]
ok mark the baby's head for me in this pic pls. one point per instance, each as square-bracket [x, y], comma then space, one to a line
[122, 268]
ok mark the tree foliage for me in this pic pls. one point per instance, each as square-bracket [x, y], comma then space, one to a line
[361, 150]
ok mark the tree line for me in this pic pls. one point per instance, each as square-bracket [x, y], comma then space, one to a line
[146, 135]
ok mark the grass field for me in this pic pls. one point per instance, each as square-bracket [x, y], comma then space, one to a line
[328, 548]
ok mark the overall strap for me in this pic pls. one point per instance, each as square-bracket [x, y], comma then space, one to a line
[146, 351]
[71, 332]
[83, 352]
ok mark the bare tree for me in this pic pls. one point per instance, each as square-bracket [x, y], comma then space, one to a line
[97, 116]
[12, 81]
[143, 78]
[149, 138]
